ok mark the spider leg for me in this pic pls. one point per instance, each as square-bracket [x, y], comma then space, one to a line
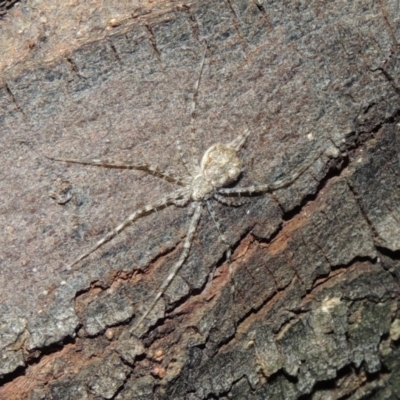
[183, 201]
[165, 202]
[187, 166]
[194, 100]
[224, 241]
[175, 269]
[221, 234]
[245, 190]
[150, 169]
[280, 184]
[230, 201]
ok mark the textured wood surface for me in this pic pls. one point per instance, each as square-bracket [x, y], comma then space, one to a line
[308, 307]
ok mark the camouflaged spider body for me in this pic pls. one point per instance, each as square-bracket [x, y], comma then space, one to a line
[219, 169]
[220, 166]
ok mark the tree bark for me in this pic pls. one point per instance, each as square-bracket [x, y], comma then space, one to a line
[307, 307]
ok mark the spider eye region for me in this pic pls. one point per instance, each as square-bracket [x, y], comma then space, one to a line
[221, 165]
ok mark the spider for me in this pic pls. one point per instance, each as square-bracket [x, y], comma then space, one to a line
[220, 168]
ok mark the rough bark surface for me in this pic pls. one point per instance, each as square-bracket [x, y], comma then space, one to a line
[307, 308]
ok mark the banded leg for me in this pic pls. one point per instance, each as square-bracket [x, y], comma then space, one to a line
[268, 187]
[150, 169]
[230, 201]
[221, 234]
[193, 152]
[175, 269]
[225, 242]
[245, 190]
[187, 166]
[175, 196]
[196, 94]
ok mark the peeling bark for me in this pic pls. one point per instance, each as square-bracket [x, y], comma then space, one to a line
[307, 308]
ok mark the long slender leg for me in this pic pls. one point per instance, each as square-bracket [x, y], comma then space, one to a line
[218, 226]
[193, 149]
[188, 167]
[177, 195]
[185, 163]
[196, 93]
[269, 187]
[151, 169]
[245, 190]
[225, 242]
[175, 269]
[230, 201]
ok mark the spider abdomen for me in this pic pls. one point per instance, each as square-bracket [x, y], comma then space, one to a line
[221, 165]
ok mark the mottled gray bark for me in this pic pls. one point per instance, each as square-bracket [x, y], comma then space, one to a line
[307, 308]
